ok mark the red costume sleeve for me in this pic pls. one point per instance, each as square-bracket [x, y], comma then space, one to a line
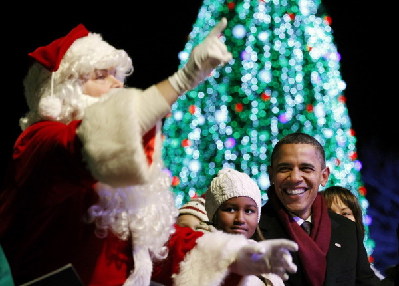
[179, 244]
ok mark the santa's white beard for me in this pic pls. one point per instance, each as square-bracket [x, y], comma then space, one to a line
[72, 105]
[146, 213]
[67, 105]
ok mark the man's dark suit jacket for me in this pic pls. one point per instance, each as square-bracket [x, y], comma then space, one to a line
[347, 262]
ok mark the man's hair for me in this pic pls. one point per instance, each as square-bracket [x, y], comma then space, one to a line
[299, 138]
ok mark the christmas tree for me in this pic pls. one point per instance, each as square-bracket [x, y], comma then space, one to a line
[284, 77]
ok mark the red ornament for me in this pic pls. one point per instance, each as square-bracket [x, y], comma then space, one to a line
[292, 16]
[309, 107]
[328, 19]
[342, 98]
[175, 181]
[186, 143]
[192, 109]
[231, 5]
[362, 190]
[353, 155]
[265, 96]
[239, 107]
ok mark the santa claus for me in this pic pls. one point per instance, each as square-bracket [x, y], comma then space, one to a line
[87, 185]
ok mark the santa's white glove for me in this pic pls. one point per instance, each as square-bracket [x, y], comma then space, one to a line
[203, 59]
[272, 255]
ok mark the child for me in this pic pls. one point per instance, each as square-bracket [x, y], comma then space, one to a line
[342, 201]
[233, 202]
[226, 256]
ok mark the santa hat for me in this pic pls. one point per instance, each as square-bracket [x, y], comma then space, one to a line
[228, 184]
[195, 207]
[63, 62]
[50, 56]
[78, 52]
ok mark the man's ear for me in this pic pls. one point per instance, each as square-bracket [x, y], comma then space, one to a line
[325, 174]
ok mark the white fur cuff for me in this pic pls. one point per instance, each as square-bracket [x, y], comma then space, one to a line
[112, 140]
[208, 263]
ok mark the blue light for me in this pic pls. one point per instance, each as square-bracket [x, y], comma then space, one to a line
[239, 31]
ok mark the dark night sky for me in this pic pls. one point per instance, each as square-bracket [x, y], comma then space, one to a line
[154, 32]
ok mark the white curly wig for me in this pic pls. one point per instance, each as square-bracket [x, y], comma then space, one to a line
[58, 95]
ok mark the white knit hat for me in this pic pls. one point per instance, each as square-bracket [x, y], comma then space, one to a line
[228, 184]
[195, 207]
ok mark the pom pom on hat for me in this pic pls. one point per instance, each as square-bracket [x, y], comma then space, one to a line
[228, 184]
[195, 207]
[50, 56]
[50, 107]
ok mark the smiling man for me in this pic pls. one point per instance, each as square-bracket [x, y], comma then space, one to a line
[333, 252]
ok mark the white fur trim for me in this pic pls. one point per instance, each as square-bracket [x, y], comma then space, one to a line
[141, 275]
[50, 107]
[208, 262]
[111, 134]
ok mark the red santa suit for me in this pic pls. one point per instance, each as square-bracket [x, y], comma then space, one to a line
[52, 184]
